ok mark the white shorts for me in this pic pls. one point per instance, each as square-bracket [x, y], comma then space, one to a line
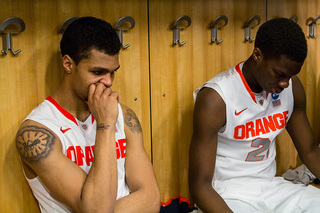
[276, 196]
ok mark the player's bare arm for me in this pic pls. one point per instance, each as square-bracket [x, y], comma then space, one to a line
[145, 195]
[300, 130]
[39, 148]
[203, 149]
[40, 151]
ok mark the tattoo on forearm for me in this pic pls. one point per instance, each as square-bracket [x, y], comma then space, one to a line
[132, 121]
[103, 126]
[34, 143]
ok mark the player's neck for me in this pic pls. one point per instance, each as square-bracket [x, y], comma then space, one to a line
[68, 101]
[248, 70]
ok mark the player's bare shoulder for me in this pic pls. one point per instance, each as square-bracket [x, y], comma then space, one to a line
[131, 120]
[34, 142]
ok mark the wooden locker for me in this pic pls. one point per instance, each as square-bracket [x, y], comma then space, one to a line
[176, 71]
[18, 95]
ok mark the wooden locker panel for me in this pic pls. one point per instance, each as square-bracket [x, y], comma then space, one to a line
[311, 73]
[35, 73]
[176, 71]
[18, 94]
[244, 10]
[287, 156]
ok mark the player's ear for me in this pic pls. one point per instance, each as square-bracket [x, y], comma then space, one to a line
[68, 63]
[257, 55]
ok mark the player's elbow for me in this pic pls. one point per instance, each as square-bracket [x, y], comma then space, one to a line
[155, 205]
[197, 186]
[154, 200]
[193, 190]
[103, 202]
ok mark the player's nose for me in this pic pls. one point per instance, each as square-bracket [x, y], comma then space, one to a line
[107, 80]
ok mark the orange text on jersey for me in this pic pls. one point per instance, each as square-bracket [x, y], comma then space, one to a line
[79, 156]
[261, 126]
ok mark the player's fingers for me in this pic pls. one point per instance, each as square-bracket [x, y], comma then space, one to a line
[99, 91]
[92, 88]
[100, 88]
[115, 95]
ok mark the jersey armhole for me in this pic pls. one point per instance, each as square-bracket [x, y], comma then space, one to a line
[217, 88]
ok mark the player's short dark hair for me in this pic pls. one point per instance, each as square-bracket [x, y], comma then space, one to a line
[87, 33]
[282, 36]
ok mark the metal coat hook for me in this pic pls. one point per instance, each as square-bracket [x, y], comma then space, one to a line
[67, 23]
[120, 31]
[214, 28]
[7, 37]
[177, 26]
[294, 18]
[247, 28]
[311, 26]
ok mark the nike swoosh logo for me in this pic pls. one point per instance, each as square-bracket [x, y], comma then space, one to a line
[64, 130]
[238, 113]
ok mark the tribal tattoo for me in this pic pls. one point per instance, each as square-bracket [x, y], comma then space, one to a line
[34, 143]
[132, 121]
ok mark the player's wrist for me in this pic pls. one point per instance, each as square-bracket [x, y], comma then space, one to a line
[105, 126]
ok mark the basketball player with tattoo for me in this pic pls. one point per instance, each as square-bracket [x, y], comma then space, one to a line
[237, 116]
[81, 150]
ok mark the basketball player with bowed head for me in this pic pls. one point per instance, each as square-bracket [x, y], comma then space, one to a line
[81, 150]
[237, 117]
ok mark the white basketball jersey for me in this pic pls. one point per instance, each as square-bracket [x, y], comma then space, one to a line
[78, 142]
[246, 144]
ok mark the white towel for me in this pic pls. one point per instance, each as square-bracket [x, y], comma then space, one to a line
[301, 174]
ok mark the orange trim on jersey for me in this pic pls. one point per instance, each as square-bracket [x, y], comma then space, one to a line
[63, 111]
[245, 82]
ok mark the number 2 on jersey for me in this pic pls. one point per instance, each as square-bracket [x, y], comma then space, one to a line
[262, 144]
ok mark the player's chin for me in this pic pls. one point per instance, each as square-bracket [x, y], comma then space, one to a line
[275, 90]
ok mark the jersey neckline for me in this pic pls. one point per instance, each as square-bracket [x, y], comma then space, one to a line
[251, 93]
[64, 112]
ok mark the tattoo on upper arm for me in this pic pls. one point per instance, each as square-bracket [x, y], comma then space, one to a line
[34, 143]
[132, 121]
